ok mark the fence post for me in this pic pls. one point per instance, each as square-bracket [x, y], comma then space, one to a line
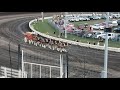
[22, 64]
[40, 71]
[19, 74]
[50, 72]
[31, 70]
[61, 66]
[5, 72]
[66, 66]
[25, 74]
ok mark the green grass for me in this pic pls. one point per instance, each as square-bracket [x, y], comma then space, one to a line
[44, 27]
[114, 44]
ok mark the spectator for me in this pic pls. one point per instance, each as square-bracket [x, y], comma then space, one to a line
[61, 34]
[90, 28]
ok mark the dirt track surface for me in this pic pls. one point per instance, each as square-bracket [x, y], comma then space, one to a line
[83, 62]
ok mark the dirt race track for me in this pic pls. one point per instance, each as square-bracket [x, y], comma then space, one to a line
[83, 62]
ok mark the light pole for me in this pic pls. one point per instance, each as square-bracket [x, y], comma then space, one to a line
[104, 72]
[42, 16]
[66, 66]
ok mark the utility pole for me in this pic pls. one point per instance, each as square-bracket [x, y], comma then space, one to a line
[104, 72]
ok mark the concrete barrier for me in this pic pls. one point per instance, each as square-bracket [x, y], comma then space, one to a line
[69, 41]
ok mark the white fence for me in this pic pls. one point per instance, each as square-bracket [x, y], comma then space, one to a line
[11, 73]
[32, 72]
[69, 41]
[23, 73]
[40, 70]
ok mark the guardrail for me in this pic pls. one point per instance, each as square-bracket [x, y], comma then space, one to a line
[69, 41]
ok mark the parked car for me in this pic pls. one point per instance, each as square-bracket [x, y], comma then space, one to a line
[88, 35]
[103, 16]
[76, 32]
[97, 26]
[86, 19]
[97, 34]
[110, 17]
[91, 17]
[118, 21]
[116, 16]
[110, 36]
[71, 19]
[116, 30]
[80, 18]
[110, 24]
[96, 17]
[115, 23]
[76, 19]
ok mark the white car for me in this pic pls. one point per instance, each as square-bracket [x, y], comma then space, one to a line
[116, 16]
[76, 19]
[110, 36]
[98, 27]
[86, 19]
[99, 35]
[81, 18]
[109, 24]
[110, 17]
[96, 17]
[115, 23]
[72, 19]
